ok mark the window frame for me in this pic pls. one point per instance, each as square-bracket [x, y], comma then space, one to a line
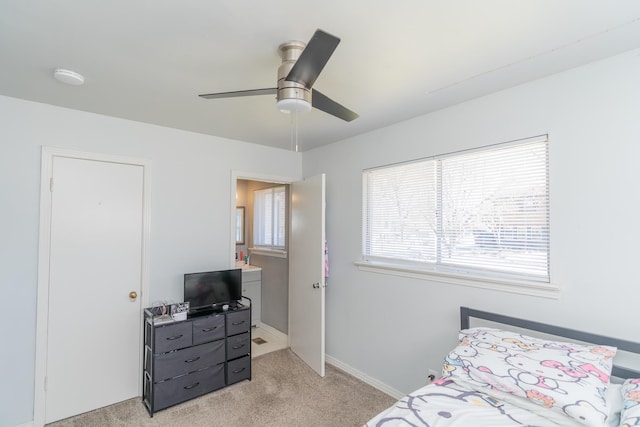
[271, 249]
[466, 276]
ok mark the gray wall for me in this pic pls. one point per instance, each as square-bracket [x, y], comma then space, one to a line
[394, 328]
[275, 291]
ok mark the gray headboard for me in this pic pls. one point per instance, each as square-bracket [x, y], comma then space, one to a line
[618, 371]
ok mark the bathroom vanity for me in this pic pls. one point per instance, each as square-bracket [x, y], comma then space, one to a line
[252, 289]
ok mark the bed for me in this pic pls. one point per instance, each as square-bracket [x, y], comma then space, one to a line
[502, 376]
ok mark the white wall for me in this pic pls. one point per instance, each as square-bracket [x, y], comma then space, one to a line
[393, 328]
[190, 213]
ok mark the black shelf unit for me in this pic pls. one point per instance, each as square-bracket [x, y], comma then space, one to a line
[188, 358]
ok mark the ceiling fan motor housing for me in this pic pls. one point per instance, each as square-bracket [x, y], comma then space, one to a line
[290, 52]
[301, 65]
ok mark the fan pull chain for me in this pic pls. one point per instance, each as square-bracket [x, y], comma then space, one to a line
[292, 134]
[296, 127]
[294, 131]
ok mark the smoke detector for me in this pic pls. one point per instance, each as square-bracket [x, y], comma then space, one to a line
[69, 77]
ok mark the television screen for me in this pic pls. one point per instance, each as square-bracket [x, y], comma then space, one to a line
[208, 289]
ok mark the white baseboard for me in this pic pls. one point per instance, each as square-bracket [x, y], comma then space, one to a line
[364, 377]
[343, 366]
[27, 424]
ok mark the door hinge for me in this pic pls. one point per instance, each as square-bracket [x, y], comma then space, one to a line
[51, 184]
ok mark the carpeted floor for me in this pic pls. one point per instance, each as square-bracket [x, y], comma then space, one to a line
[283, 392]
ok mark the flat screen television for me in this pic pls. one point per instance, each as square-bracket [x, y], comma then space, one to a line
[212, 289]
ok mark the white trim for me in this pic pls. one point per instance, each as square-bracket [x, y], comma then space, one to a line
[44, 243]
[257, 176]
[514, 286]
[365, 378]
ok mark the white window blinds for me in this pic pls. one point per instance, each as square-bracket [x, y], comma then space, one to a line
[483, 212]
[269, 217]
[400, 213]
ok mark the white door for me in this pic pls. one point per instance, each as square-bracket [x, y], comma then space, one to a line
[94, 323]
[306, 271]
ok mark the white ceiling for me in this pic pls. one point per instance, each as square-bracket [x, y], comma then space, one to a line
[147, 60]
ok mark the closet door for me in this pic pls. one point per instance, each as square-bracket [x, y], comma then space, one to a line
[95, 270]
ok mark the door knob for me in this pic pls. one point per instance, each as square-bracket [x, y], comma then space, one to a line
[133, 295]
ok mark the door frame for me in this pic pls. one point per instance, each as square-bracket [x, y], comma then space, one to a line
[44, 245]
[235, 175]
[250, 176]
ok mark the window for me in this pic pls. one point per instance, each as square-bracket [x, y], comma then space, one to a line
[269, 218]
[481, 213]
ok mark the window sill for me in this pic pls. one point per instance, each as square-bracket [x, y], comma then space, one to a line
[277, 253]
[519, 287]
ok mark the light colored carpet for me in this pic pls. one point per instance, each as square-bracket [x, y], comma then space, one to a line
[283, 392]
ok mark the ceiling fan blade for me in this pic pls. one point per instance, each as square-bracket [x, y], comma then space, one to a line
[322, 102]
[251, 92]
[313, 58]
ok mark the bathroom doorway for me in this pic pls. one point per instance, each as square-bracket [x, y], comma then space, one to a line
[303, 258]
[265, 263]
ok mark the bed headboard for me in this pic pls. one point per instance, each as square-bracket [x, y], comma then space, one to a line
[618, 371]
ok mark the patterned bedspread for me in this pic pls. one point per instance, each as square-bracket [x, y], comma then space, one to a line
[499, 378]
[445, 403]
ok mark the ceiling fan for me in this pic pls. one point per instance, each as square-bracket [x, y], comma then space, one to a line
[301, 65]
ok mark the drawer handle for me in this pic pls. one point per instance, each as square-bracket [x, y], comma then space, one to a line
[210, 329]
[189, 387]
[237, 371]
[175, 338]
[238, 346]
[237, 323]
[192, 360]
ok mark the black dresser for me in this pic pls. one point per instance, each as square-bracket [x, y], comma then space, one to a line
[188, 358]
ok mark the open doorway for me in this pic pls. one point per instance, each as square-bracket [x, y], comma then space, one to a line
[305, 256]
[262, 253]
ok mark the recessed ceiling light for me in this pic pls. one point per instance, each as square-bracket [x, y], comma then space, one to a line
[69, 77]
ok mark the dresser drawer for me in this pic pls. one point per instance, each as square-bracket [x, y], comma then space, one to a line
[208, 329]
[238, 345]
[168, 365]
[173, 337]
[238, 322]
[186, 387]
[239, 369]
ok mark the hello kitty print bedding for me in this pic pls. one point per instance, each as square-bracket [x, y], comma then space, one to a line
[501, 378]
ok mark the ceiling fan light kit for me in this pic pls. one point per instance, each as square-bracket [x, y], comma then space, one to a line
[290, 106]
[301, 65]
